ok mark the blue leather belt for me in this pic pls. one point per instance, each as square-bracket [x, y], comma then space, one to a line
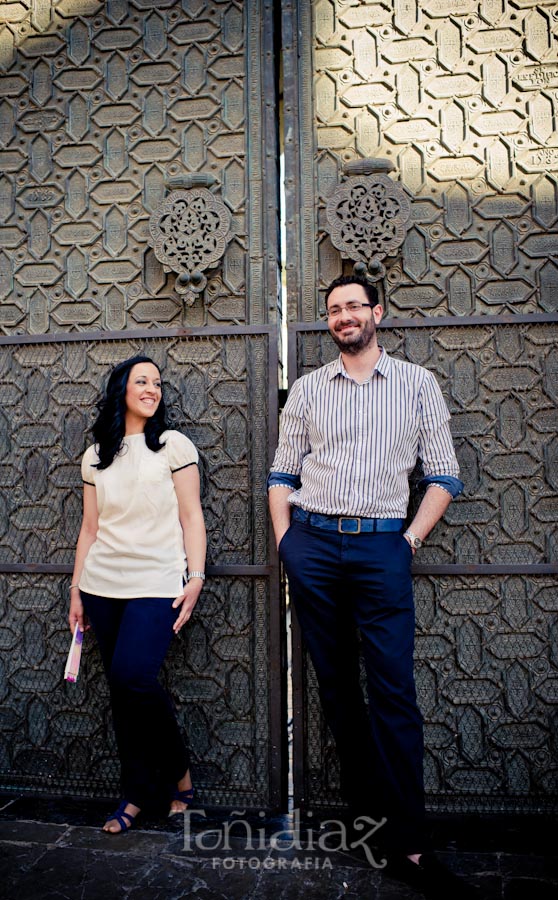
[346, 524]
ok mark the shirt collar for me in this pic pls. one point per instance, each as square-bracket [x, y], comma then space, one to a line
[382, 367]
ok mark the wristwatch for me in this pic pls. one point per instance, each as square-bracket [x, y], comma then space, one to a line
[414, 541]
[196, 575]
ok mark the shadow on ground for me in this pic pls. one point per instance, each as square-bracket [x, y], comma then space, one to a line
[54, 849]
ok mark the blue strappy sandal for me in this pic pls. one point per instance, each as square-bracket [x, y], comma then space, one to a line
[184, 797]
[120, 816]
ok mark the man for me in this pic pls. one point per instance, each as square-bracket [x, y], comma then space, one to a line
[351, 433]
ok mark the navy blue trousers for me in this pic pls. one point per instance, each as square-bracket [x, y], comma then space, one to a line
[133, 638]
[341, 583]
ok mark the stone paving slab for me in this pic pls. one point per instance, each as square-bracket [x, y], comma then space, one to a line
[145, 844]
[69, 858]
[40, 861]
[31, 832]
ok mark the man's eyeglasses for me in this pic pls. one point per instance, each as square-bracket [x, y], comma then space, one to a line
[353, 307]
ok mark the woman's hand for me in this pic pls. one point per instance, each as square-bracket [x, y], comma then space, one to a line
[187, 488]
[77, 614]
[187, 599]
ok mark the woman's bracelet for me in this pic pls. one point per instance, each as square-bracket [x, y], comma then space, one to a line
[196, 575]
[72, 586]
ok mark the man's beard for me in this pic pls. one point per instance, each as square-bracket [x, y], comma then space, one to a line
[361, 341]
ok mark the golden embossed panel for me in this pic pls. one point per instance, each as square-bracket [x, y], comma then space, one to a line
[99, 104]
[461, 97]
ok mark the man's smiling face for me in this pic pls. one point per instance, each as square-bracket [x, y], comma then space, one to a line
[352, 325]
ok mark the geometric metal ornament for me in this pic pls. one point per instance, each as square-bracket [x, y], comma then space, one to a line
[367, 215]
[189, 233]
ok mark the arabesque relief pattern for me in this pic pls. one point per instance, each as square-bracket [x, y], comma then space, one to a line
[105, 107]
[501, 387]
[100, 103]
[216, 388]
[487, 683]
[486, 663]
[461, 96]
[56, 736]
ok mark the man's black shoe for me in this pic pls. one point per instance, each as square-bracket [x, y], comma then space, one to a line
[432, 878]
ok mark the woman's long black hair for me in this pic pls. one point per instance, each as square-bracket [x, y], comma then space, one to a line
[110, 425]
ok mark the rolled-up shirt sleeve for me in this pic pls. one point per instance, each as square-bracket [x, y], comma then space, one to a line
[283, 479]
[293, 442]
[436, 448]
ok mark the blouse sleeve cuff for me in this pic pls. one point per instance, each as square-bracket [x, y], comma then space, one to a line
[185, 466]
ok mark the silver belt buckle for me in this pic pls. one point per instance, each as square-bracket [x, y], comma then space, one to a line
[348, 519]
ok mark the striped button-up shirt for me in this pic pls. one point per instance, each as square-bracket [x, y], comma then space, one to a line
[348, 448]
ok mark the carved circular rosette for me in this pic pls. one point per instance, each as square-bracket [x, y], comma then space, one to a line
[367, 215]
[189, 233]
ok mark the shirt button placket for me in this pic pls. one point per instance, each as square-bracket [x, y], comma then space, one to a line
[357, 493]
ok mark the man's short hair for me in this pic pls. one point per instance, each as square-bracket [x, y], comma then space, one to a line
[369, 288]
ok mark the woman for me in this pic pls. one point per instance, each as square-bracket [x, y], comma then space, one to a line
[141, 518]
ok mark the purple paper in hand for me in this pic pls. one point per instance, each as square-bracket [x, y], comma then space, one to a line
[74, 656]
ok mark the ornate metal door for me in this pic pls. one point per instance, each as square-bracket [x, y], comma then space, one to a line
[106, 109]
[461, 98]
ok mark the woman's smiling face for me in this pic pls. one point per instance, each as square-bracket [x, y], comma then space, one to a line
[143, 391]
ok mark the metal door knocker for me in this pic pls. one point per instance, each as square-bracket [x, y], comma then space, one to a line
[368, 216]
[189, 233]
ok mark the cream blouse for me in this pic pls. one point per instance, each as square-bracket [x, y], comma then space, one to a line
[139, 547]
